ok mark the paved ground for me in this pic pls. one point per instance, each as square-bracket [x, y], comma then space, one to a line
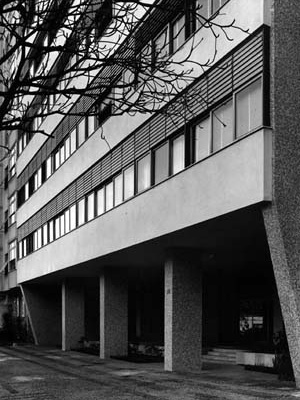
[29, 372]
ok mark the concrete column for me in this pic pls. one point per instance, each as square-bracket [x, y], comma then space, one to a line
[113, 313]
[183, 313]
[43, 305]
[72, 314]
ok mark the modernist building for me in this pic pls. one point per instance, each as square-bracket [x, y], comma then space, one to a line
[184, 232]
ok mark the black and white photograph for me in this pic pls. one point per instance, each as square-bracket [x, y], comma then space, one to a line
[149, 199]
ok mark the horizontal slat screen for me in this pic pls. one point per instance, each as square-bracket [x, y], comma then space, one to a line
[235, 70]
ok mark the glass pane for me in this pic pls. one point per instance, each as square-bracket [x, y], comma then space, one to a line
[216, 4]
[202, 140]
[91, 124]
[67, 221]
[57, 163]
[178, 154]
[143, 173]
[62, 224]
[39, 238]
[73, 141]
[57, 227]
[109, 198]
[81, 212]
[34, 244]
[24, 247]
[100, 201]
[129, 182]
[62, 154]
[67, 148]
[45, 234]
[178, 30]
[202, 9]
[249, 108]
[81, 132]
[118, 189]
[222, 126]
[91, 206]
[51, 231]
[48, 167]
[73, 217]
[20, 250]
[161, 45]
[161, 163]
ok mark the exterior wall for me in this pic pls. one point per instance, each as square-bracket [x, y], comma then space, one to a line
[249, 16]
[282, 216]
[222, 183]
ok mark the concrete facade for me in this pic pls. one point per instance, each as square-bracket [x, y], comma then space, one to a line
[205, 256]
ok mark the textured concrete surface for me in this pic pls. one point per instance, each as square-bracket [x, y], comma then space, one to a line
[45, 373]
[282, 217]
[113, 313]
[183, 312]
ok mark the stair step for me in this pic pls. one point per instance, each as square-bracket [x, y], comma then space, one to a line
[218, 361]
[219, 353]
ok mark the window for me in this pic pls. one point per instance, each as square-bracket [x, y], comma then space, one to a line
[128, 176]
[26, 191]
[161, 46]
[39, 177]
[178, 154]
[62, 224]
[90, 206]
[12, 161]
[12, 250]
[67, 148]
[103, 17]
[51, 231]
[62, 154]
[178, 32]
[57, 227]
[201, 140]
[48, 167]
[202, 12]
[109, 198]
[57, 159]
[144, 173]
[91, 124]
[25, 247]
[20, 250]
[81, 211]
[67, 221]
[223, 126]
[249, 107]
[216, 4]
[100, 201]
[73, 141]
[39, 238]
[118, 189]
[73, 217]
[81, 132]
[45, 234]
[12, 209]
[161, 163]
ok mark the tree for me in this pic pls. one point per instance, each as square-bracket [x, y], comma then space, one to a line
[57, 51]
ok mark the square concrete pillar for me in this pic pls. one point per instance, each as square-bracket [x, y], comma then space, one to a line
[183, 313]
[72, 314]
[113, 313]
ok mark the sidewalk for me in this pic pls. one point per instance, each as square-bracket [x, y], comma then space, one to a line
[124, 380]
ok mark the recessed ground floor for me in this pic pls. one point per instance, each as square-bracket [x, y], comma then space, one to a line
[175, 297]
